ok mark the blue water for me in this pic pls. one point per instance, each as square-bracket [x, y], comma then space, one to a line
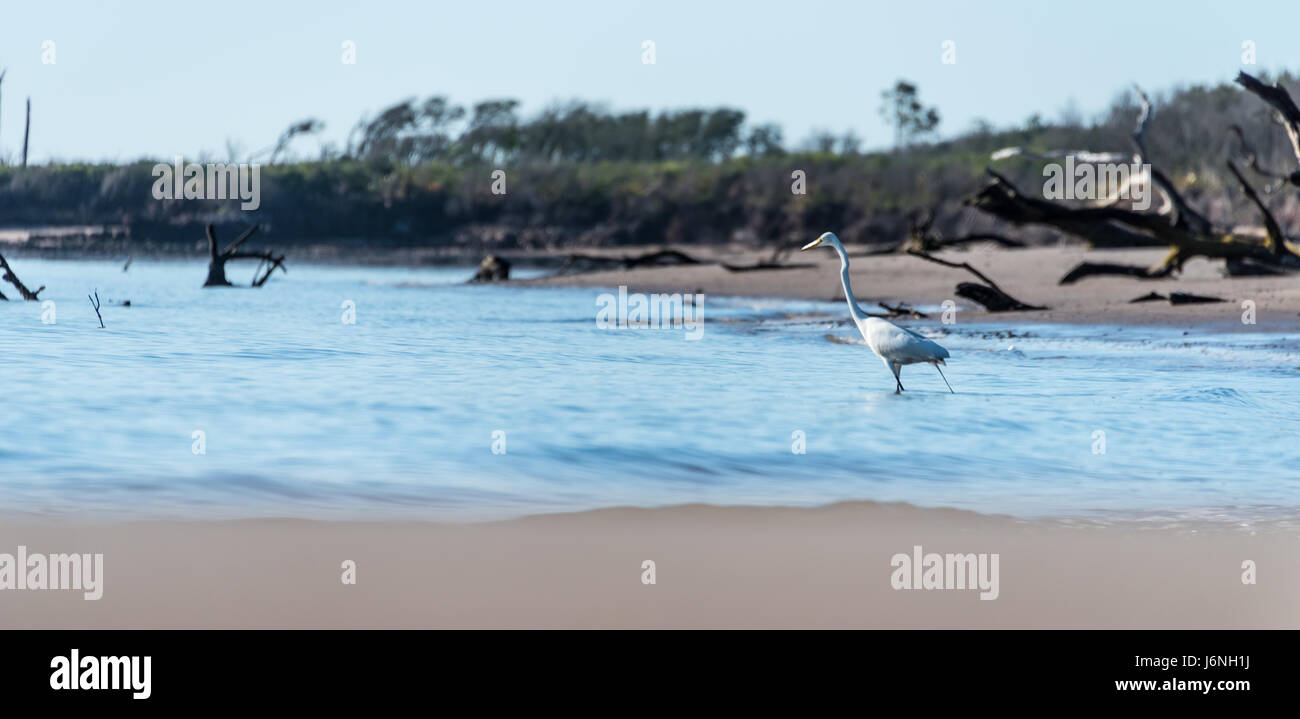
[394, 416]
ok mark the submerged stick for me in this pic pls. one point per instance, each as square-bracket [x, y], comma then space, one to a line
[94, 302]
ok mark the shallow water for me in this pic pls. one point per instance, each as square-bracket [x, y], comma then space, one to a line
[394, 416]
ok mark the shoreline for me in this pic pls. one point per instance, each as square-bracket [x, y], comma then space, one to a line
[714, 566]
[1029, 274]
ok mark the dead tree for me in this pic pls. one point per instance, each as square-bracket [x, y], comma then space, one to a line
[12, 279]
[2, 82]
[1288, 114]
[27, 131]
[1175, 223]
[268, 261]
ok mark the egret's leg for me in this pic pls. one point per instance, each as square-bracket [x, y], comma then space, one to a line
[945, 379]
[898, 368]
[892, 369]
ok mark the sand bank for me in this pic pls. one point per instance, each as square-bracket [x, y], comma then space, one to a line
[1030, 275]
[714, 567]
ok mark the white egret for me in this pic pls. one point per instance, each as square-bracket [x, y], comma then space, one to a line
[894, 345]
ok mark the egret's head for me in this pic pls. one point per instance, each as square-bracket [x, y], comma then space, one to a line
[828, 239]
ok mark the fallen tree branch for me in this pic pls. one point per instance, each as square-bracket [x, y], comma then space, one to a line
[1252, 159]
[1187, 298]
[1088, 269]
[992, 297]
[1004, 200]
[1276, 238]
[1148, 297]
[12, 279]
[1280, 100]
[899, 310]
[1176, 298]
[576, 263]
[765, 266]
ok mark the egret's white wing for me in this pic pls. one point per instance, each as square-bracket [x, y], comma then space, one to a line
[899, 344]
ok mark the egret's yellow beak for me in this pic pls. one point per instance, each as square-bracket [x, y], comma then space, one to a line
[811, 245]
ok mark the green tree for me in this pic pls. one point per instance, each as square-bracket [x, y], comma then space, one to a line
[901, 107]
[765, 141]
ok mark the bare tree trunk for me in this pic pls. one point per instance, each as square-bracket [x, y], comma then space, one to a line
[216, 265]
[217, 259]
[27, 131]
[2, 82]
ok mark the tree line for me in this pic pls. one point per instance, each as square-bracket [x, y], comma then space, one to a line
[419, 172]
[413, 132]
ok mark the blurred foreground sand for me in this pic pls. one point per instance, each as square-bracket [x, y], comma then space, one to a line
[719, 567]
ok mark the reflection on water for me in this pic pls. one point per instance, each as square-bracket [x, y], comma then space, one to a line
[304, 415]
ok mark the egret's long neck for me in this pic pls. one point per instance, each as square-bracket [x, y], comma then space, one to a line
[857, 312]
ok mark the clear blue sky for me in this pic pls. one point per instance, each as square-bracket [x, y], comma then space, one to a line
[159, 78]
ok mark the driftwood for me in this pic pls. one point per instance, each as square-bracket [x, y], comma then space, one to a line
[992, 297]
[1176, 298]
[268, 262]
[492, 269]
[766, 266]
[775, 261]
[1148, 297]
[1185, 233]
[1187, 298]
[1085, 269]
[1175, 224]
[899, 310]
[9, 276]
[922, 240]
[576, 263]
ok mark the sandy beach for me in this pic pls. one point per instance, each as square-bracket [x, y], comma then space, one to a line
[1030, 275]
[715, 567]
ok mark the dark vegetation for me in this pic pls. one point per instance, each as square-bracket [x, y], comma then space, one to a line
[419, 174]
